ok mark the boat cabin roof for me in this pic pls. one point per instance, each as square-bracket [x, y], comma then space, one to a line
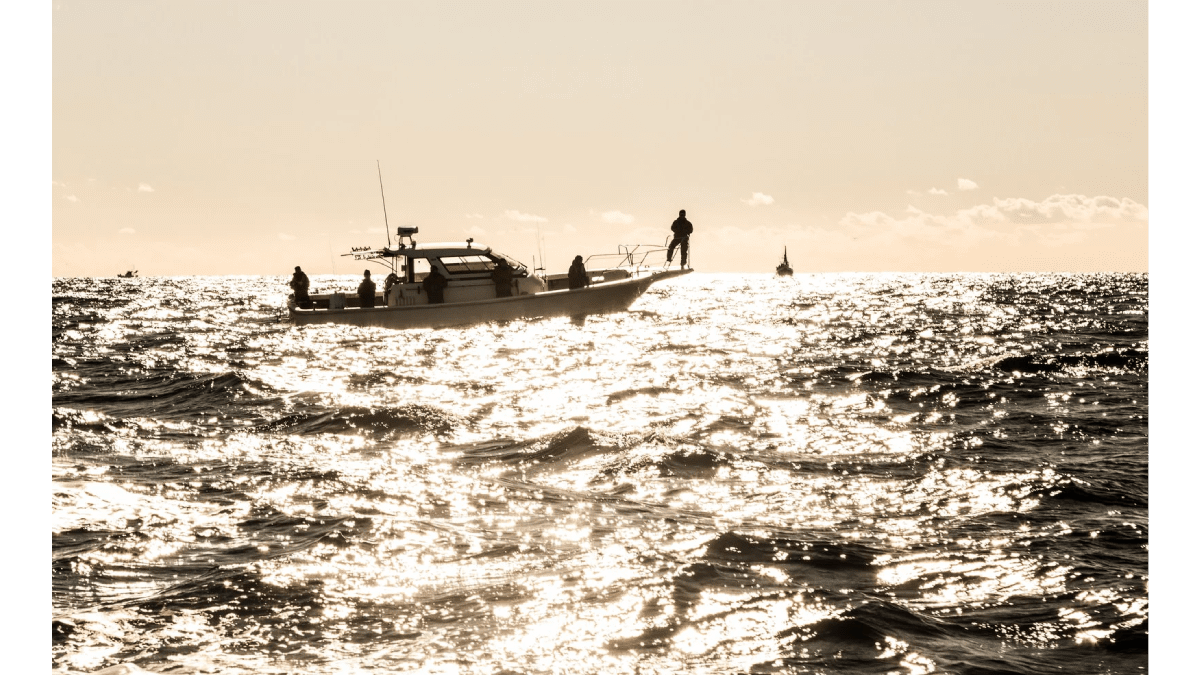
[453, 257]
[439, 250]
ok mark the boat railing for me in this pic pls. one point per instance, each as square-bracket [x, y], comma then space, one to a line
[636, 258]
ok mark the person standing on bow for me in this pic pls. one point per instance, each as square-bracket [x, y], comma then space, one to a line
[366, 291]
[682, 229]
[299, 284]
[577, 276]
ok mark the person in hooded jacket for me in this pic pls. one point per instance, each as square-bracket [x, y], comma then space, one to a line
[299, 284]
[502, 276]
[577, 276]
[682, 229]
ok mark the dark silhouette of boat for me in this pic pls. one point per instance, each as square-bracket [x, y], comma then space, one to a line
[470, 290]
[783, 269]
[470, 294]
[130, 274]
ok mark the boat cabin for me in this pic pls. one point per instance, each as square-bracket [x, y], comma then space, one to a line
[473, 291]
[467, 269]
[466, 266]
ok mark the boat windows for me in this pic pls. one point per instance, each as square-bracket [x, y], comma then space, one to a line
[519, 269]
[420, 268]
[463, 264]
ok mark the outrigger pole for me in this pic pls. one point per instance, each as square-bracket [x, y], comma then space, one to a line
[386, 228]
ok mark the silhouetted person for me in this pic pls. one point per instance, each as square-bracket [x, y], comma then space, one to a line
[388, 283]
[577, 276]
[502, 276]
[434, 284]
[682, 229]
[366, 291]
[299, 284]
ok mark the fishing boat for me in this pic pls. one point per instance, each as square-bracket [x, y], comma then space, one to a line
[129, 274]
[471, 293]
[783, 269]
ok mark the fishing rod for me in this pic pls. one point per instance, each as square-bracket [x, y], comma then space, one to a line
[386, 228]
[541, 253]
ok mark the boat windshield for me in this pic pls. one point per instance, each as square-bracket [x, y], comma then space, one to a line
[519, 268]
[461, 264]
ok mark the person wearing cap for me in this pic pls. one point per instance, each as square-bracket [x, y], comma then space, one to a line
[682, 229]
[299, 284]
[366, 291]
[577, 276]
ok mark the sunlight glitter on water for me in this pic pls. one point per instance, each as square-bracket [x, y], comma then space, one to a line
[697, 485]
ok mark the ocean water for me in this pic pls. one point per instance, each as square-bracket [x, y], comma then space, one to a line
[907, 473]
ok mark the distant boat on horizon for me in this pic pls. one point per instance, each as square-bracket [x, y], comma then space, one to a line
[129, 274]
[783, 269]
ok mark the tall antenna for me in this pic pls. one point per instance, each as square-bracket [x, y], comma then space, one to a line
[386, 228]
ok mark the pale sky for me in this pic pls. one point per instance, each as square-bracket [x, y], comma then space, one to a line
[219, 137]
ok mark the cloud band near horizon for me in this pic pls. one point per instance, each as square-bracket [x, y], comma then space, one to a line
[1055, 221]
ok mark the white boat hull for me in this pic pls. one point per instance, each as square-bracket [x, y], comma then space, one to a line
[612, 296]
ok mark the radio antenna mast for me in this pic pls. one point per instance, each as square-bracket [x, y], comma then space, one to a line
[386, 228]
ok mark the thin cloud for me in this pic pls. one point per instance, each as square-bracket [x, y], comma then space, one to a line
[126, 230]
[966, 184]
[286, 237]
[759, 199]
[1062, 208]
[937, 191]
[142, 187]
[616, 217]
[72, 198]
[1056, 220]
[523, 217]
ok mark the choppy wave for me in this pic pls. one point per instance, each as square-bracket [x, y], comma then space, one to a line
[828, 473]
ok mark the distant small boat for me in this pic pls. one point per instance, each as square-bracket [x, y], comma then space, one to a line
[783, 269]
[131, 274]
